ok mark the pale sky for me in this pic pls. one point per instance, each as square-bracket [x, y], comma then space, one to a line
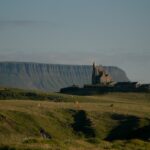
[110, 32]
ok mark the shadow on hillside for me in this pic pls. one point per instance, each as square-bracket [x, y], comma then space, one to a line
[7, 148]
[82, 124]
[128, 128]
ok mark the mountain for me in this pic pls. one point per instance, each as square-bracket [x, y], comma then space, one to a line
[50, 77]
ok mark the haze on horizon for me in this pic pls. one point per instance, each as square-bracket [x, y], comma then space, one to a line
[110, 32]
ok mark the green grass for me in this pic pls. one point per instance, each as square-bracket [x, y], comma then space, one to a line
[114, 121]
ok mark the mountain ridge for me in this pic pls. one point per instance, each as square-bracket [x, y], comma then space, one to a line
[50, 77]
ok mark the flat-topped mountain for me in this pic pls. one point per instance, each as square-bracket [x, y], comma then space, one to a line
[50, 77]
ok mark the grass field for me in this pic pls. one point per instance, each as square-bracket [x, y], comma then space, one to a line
[113, 121]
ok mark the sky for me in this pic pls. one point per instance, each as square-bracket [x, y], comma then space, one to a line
[109, 32]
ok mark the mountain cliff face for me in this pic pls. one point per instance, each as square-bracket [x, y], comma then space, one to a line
[50, 77]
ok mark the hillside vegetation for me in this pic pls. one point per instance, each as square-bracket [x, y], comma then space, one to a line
[113, 121]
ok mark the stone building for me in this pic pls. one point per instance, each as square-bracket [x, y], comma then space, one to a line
[100, 76]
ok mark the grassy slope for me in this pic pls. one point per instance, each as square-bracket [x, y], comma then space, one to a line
[104, 118]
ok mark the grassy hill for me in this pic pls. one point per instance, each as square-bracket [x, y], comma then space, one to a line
[113, 121]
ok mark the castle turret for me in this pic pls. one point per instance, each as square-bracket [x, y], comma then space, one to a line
[93, 73]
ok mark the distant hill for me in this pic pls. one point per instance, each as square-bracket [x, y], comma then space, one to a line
[50, 77]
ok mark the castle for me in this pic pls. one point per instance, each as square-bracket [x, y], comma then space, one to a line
[100, 77]
[102, 82]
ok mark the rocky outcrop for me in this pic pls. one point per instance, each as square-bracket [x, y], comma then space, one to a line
[50, 77]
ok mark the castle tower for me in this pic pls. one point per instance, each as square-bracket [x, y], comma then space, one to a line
[93, 73]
